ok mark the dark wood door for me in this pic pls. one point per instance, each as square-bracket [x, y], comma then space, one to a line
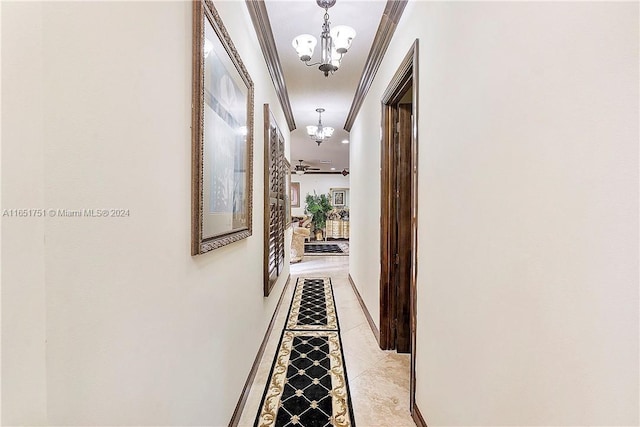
[403, 244]
[399, 208]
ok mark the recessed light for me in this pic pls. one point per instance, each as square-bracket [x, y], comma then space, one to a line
[333, 169]
[345, 141]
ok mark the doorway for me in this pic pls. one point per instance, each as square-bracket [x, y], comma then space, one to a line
[398, 225]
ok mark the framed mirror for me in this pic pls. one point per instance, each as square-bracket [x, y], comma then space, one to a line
[222, 136]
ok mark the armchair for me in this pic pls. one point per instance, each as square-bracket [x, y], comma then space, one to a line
[300, 234]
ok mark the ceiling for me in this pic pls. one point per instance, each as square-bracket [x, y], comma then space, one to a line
[307, 87]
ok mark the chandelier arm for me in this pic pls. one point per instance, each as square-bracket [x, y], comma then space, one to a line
[311, 65]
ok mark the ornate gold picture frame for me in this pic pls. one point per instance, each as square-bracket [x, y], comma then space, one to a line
[222, 136]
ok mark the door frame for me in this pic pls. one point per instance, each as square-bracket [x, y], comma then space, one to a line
[406, 74]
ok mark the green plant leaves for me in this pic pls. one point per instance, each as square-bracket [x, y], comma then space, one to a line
[318, 206]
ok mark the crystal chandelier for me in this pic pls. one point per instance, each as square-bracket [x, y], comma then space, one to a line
[319, 132]
[334, 43]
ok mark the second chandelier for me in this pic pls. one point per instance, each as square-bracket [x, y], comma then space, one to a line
[319, 133]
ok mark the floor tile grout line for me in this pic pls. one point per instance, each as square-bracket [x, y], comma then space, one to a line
[372, 367]
[353, 327]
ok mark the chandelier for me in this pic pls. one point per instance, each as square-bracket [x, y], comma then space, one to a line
[319, 132]
[334, 43]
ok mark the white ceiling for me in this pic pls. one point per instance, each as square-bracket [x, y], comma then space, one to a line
[308, 88]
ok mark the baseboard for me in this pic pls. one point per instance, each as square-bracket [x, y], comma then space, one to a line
[417, 417]
[372, 324]
[235, 418]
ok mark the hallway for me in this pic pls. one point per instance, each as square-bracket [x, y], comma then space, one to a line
[378, 380]
[525, 133]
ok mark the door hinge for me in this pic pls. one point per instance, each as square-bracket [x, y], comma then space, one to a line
[397, 259]
[397, 127]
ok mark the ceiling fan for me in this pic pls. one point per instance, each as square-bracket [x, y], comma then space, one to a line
[300, 169]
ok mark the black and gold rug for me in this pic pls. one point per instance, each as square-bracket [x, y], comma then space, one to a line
[307, 386]
[341, 248]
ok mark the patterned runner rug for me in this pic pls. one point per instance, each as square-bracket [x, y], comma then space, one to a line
[307, 386]
[341, 248]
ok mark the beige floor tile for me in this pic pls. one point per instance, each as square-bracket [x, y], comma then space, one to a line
[380, 395]
[361, 351]
[350, 318]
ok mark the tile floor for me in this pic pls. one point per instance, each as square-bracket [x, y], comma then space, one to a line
[378, 380]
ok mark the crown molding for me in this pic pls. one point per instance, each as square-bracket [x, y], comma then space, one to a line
[262, 25]
[387, 27]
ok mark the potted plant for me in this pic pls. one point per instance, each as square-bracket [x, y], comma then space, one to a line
[318, 206]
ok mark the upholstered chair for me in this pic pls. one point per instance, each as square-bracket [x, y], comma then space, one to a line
[300, 234]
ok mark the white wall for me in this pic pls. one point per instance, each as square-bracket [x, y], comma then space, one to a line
[24, 387]
[111, 321]
[528, 210]
[364, 233]
[321, 184]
